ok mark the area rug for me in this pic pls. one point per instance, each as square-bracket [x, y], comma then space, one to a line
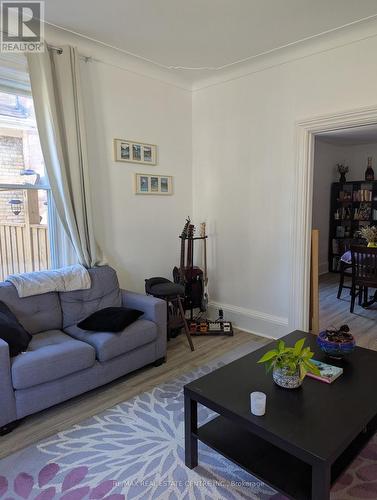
[135, 450]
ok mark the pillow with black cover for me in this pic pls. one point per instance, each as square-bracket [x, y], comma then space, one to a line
[110, 319]
[12, 332]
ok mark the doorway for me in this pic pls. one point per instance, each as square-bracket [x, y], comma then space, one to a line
[344, 201]
[306, 132]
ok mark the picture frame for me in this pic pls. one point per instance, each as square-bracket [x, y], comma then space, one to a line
[135, 152]
[153, 184]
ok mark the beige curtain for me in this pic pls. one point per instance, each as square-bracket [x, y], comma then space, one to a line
[55, 85]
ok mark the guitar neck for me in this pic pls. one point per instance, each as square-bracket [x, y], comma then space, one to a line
[189, 253]
[182, 260]
[205, 262]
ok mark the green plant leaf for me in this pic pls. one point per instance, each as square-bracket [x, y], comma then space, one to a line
[312, 368]
[292, 367]
[269, 365]
[298, 347]
[268, 355]
[281, 346]
[303, 371]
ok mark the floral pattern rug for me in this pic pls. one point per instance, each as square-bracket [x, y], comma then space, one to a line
[135, 450]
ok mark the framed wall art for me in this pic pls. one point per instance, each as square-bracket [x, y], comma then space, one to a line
[153, 184]
[135, 152]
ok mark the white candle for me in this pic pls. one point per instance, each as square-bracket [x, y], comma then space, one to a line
[258, 403]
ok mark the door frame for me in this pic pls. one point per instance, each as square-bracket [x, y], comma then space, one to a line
[306, 131]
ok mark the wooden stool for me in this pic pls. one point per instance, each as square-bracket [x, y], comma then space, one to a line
[172, 293]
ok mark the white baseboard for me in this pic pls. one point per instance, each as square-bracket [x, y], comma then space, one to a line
[259, 323]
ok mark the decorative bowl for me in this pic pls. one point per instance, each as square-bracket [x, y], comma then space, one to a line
[337, 350]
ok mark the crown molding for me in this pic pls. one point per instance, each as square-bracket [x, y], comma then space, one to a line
[342, 37]
[204, 78]
[99, 53]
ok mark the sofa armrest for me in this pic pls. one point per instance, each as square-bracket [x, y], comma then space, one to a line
[7, 400]
[154, 310]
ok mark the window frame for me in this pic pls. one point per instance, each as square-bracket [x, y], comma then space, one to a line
[52, 216]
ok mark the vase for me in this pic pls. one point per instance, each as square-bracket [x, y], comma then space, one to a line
[342, 178]
[372, 244]
[283, 378]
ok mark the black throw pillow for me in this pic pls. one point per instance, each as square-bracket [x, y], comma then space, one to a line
[12, 332]
[110, 319]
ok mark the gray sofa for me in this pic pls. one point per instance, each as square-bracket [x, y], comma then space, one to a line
[62, 360]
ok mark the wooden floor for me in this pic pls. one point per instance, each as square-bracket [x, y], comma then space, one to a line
[334, 312]
[179, 360]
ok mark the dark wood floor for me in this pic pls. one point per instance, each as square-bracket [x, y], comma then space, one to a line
[334, 312]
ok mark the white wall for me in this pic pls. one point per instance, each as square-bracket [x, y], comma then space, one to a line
[139, 234]
[244, 150]
[326, 157]
[240, 158]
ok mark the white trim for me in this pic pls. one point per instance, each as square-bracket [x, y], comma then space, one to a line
[24, 187]
[302, 203]
[257, 322]
[278, 320]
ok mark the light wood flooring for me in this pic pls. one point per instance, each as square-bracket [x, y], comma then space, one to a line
[336, 312]
[179, 360]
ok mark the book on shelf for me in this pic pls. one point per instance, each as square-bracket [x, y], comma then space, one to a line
[328, 373]
[362, 195]
[340, 230]
[335, 246]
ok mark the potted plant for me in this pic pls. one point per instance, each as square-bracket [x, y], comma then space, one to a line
[343, 170]
[369, 233]
[289, 365]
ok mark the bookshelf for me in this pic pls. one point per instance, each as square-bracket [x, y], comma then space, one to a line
[353, 205]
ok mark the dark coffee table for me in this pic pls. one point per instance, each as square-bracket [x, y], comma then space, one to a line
[308, 435]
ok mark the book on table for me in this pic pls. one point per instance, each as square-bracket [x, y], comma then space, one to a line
[328, 373]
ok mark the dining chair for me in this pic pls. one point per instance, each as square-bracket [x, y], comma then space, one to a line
[345, 271]
[364, 273]
[345, 265]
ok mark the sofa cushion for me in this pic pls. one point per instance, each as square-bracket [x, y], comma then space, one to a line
[104, 292]
[50, 355]
[109, 345]
[37, 313]
[110, 319]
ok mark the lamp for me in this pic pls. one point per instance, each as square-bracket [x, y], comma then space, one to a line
[16, 205]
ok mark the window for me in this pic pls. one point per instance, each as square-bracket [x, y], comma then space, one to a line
[25, 198]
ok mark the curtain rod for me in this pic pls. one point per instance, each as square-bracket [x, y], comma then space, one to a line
[59, 50]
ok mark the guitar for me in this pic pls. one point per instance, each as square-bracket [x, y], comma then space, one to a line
[178, 274]
[204, 305]
[194, 275]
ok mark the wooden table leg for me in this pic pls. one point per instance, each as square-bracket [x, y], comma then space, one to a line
[187, 331]
[191, 428]
[321, 481]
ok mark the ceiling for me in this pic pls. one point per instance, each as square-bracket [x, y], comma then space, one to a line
[203, 33]
[350, 136]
